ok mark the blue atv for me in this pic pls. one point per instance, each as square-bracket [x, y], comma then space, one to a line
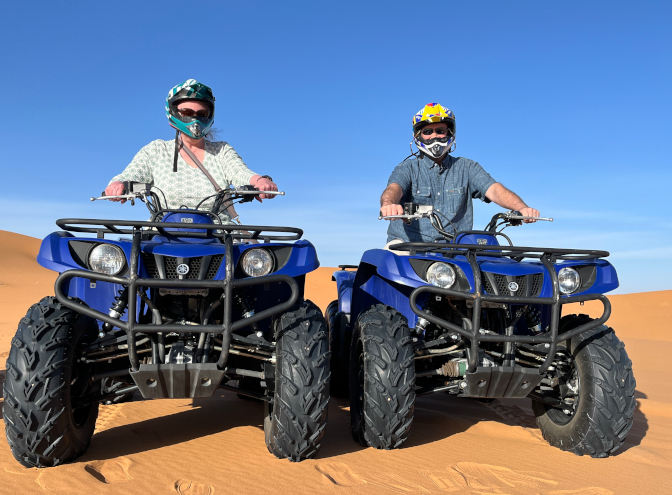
[179, 306]
[473, 318]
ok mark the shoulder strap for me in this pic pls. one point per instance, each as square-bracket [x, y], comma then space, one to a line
[198, 163]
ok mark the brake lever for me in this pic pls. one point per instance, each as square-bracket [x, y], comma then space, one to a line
[128, 197]
[402, 217]
[524, 217]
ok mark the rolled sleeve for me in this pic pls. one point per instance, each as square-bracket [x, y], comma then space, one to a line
[402, 175]
[479, 182]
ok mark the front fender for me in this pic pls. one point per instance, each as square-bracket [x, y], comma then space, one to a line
[344, 282]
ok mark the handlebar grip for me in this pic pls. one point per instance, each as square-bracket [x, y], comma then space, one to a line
[103, 193]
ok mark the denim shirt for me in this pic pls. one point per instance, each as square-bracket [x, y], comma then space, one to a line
[449, 187]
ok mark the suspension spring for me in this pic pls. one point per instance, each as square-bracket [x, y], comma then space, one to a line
[117, 310]
[533, 318]
[243, 300]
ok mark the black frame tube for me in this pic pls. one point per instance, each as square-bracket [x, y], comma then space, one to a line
[499, 251]
[113, 227]
[133, 283]
[550, 337]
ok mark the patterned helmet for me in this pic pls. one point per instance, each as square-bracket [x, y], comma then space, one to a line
[190, 90]
[433, 113]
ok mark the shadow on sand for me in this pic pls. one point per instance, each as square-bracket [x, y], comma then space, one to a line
[436, 417]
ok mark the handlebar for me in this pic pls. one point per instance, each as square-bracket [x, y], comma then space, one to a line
[234, 192]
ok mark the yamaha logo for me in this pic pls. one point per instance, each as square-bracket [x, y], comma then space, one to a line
[183, 269]
[513, 287]
[482, 242]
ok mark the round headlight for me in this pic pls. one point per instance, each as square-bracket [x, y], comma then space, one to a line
[257, 262]
[569, 280]
[441, 274]
[107, 258]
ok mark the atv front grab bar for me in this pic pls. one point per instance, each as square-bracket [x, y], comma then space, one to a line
[550, 338]
[150, 229]
[133, 282]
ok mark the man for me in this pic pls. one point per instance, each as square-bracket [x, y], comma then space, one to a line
[434, 177]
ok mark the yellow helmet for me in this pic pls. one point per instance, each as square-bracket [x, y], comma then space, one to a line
[430, 114]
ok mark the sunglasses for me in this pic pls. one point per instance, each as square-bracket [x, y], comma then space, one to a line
[441, 131]
[189, 113]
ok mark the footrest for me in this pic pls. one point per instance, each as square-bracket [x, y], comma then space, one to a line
[177, 381]
[501, 382]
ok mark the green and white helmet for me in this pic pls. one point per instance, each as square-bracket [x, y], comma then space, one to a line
[190, 90]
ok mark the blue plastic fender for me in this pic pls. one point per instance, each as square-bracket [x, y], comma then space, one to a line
[344, 282]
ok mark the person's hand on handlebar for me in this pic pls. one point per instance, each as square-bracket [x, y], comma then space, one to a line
[388, 210]
[115, 189]
[264, 183]
[529, 212]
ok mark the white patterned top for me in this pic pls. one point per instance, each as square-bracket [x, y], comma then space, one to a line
[188, 186]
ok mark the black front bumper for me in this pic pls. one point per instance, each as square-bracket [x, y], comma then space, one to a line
[191, 380]
[513, 381]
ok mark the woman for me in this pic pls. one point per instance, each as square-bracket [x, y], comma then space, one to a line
[190, 108]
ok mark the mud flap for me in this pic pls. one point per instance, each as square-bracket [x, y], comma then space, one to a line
[177, 381]
[501, 382]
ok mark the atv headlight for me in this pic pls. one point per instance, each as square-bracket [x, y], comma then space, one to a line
[569, 280]
[107, 258]
[441, 274]
[257, 262]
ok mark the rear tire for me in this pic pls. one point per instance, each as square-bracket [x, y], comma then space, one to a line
[295, 422]
[340, 378]
[382, 379]
[43, 379]
[598, 424]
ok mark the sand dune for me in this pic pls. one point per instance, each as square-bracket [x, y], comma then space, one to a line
[207, 446]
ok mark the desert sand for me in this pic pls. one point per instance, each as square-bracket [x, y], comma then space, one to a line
[207, 446]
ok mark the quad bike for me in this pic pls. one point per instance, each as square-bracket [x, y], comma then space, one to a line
[177, 307]
[473, 318]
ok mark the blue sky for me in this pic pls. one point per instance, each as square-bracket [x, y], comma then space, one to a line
[566, 103]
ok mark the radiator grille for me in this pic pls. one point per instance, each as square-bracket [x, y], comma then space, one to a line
[214, 266]
[528, 285]
[170, 266]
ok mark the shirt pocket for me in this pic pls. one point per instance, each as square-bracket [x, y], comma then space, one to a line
[422, 195]
[455, 199]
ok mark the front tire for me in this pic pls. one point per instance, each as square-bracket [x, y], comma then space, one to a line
[43, 380]
[295, 422]
[602, 386]
[382, 379]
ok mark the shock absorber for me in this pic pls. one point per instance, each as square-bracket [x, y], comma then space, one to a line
[431, 306]
[533, 318]
[242, 299]
[116, 311]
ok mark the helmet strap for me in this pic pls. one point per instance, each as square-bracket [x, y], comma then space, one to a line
[177, 149]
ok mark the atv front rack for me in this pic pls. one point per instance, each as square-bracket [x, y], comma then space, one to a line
[151, 229]
[546, 255]
[133, 283]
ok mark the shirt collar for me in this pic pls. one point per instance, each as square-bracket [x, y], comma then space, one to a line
[428, 162]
